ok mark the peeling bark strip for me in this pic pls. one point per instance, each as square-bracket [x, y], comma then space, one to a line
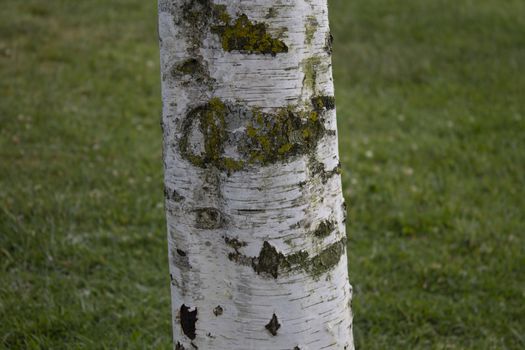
[254, 205]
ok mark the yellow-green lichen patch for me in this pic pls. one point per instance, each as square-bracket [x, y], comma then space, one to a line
[311, 26]
[247, 36]
[276, 137]
[250, 136]
[212, 126]
[310, 67]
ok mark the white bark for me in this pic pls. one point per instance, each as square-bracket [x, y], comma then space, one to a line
[256, 228]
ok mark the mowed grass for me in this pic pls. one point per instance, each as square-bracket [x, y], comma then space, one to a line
[431, 108]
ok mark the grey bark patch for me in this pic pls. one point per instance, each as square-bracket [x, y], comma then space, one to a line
[240, 259]
[272, 13]
[190, 66]
[321, 103]
[268, 261]
[179, 346]
[273, 326]
[218, 311]
[172, 195]
[237, 256]
[234, 243]
[195, 20]
[344, 210]
[208, 218]
[188, 319]
[176, 196]
[271, 262]
[324, 229]
[192, 71]
[298, 259]
[318, 170]
[180, 259]
[327, 259]
[329, 41]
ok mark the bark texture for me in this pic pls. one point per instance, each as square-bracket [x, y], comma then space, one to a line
[255, 213]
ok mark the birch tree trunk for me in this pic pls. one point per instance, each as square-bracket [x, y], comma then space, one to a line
[255, 212]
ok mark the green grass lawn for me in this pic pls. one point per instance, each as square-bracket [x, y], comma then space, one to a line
[431, 108]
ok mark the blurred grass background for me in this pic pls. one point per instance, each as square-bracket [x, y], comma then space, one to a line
[431, 108]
